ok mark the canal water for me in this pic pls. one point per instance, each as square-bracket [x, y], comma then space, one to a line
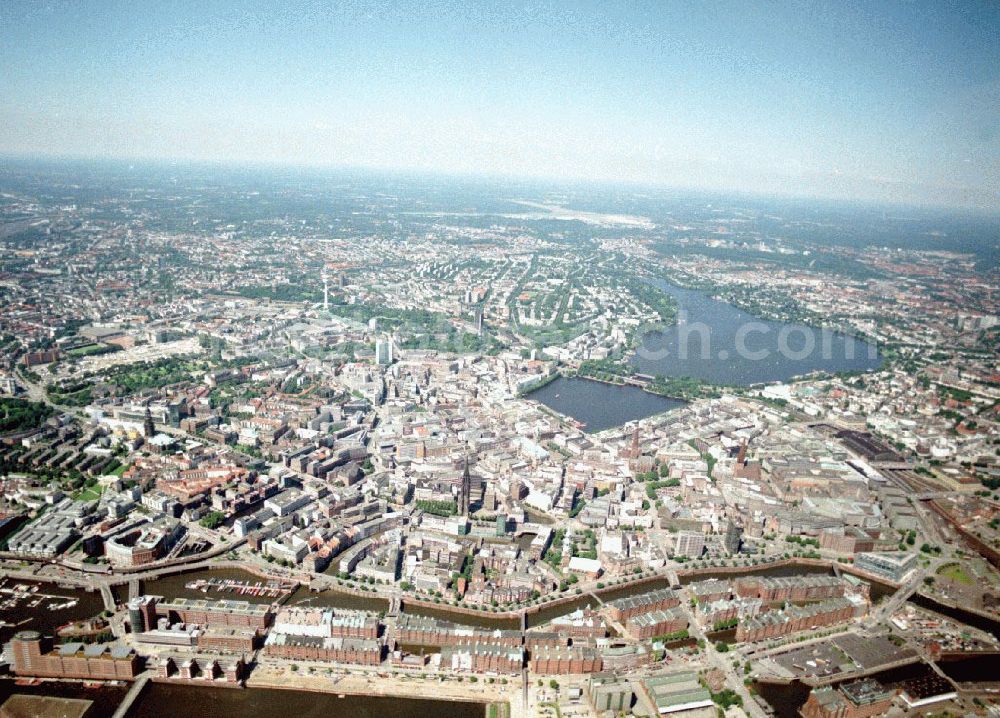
[179, 701]
[540, 617]
[970, 668]
[601, 406]
[484, 619]
[174, 586]
[959, 614]
[584, 600]
[24, 613]
[720, 344]
[337, 599]
[727, 636]
[785, 700]
[538, 518]
[765, 570]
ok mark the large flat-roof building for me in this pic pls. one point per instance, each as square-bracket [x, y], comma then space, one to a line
[34, 655]
[608, 692]
[676, 692]
[216, 613]
[144, 544]
[52, 532]
[893, 565]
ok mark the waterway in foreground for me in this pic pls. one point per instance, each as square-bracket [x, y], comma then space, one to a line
[196, 702]
[786, 700]
[173, 586]
[180, 701]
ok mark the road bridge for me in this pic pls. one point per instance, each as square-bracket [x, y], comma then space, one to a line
[109, 598]
[131, 696]
[895, 602]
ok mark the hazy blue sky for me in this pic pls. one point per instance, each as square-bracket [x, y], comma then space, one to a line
[885, 100]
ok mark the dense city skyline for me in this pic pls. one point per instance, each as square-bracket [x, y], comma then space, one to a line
[560, 452]
[500, 360]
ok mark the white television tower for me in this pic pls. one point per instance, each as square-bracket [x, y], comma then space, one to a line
[326, 292]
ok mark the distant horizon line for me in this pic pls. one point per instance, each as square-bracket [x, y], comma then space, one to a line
[554, 180]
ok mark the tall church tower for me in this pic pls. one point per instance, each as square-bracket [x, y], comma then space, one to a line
[148, 427]
[465, 492]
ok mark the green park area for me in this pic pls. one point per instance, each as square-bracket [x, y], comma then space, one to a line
[955, 572]
[90, 493]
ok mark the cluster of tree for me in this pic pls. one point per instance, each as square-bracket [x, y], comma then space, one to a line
[553, 555]
[21, 415]
[653, 486]
[569, 581]
[802, 540]
[213, 520]
[659, 301]
[438, 508]
[727, 697]
[281, 292]
[662, 471]
[129, 379]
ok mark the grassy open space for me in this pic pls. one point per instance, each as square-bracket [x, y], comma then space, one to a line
[91, 493]
[955, 572]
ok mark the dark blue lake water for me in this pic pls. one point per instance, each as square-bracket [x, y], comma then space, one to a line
[601, 406]
[718, 343]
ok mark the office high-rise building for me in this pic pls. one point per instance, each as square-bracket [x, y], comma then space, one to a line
[383, 351]
[465, 491]
[142, 613]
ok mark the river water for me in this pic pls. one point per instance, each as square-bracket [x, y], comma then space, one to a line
[180, 701]
[720, 344]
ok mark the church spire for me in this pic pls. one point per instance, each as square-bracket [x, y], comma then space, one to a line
[466, 491]
[148, 427]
